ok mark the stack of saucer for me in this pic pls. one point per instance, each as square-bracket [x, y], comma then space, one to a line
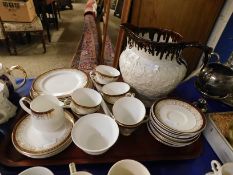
[175, 123]
[38, 144]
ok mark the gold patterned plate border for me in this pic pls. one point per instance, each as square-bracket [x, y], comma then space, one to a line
[47, 151]
[36, 90]
[166, 141]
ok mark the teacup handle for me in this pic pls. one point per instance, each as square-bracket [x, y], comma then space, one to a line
[216, 166]
[130, 94]
[145, 120]
[25, 108]
[17, 67]
[72, 168]
[66, 103]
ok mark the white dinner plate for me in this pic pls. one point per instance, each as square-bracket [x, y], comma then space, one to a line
[36, 144]
[179, 115]
[60, 82]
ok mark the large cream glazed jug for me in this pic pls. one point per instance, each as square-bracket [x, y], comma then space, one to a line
[152, 62]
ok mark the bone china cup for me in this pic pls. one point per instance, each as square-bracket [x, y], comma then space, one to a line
[106, 74]
[37, 170]
[128, 167]
[95, 133]
[114, 91]
[129, 113]
[85, 101]
[45, 111]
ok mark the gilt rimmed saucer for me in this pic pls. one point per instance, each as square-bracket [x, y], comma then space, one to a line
[37, 144]
[167, 141]
[60, 82]
[178, 116]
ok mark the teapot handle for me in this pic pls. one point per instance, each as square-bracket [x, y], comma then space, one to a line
[208, 53]
[17, 67]
[21, 102]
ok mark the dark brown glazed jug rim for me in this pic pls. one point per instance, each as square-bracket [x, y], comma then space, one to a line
[174, 48]
[133, 30]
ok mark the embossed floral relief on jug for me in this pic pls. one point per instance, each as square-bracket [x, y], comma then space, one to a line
[152, 62]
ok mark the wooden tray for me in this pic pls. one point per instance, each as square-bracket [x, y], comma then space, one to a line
[140, 146]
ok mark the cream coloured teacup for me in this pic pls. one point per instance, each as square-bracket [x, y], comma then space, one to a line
[114, 91]
[45, 111]
[106, 74]
[225, 169]
[129, 113]
[85, 101]
[37, 170]
[128, 167]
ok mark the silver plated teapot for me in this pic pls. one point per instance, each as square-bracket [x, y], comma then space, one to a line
[215, 81]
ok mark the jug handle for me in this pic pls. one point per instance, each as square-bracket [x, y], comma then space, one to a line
[17, 67]
[208, 53]
[216, 166]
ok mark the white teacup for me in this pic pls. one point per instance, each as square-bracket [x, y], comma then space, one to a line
[85, 101]
[128, 167]
[114, 91]
[37, 170]
[225, 169]
[106, 74]
[45, 111]
[129, 113]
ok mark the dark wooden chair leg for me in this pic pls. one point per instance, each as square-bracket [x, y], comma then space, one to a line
[7, 43]
[43, 41]
[29, 38]
[12, 43]
[58, 4]
[45, 21]
[54, 14]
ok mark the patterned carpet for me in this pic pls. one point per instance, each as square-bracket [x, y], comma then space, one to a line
[86, 56]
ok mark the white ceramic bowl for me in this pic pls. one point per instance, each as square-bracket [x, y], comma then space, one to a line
[114, 91]
[128, 167]
[95, 133]
[106, 74]
[85, 101]
[129, 113]
[37, 170]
